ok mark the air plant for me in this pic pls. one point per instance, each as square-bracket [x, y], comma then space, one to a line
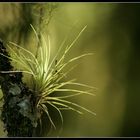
[47, 78]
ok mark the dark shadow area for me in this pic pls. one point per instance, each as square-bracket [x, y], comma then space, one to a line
[124, 61]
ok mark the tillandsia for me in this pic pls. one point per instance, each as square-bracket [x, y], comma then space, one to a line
[47, 79]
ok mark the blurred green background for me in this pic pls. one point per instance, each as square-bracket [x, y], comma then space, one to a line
[113, 35]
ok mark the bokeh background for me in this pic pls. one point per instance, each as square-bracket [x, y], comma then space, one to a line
[113, 35]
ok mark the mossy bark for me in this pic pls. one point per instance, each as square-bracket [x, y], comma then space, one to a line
[15, 93]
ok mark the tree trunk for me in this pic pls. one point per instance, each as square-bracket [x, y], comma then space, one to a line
[18, 113]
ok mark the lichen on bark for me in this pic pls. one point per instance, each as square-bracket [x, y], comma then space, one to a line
[18, 114]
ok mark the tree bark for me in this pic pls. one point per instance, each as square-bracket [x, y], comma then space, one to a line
[18, 101]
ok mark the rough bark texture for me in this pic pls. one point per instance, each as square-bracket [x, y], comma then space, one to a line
[17, 113]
